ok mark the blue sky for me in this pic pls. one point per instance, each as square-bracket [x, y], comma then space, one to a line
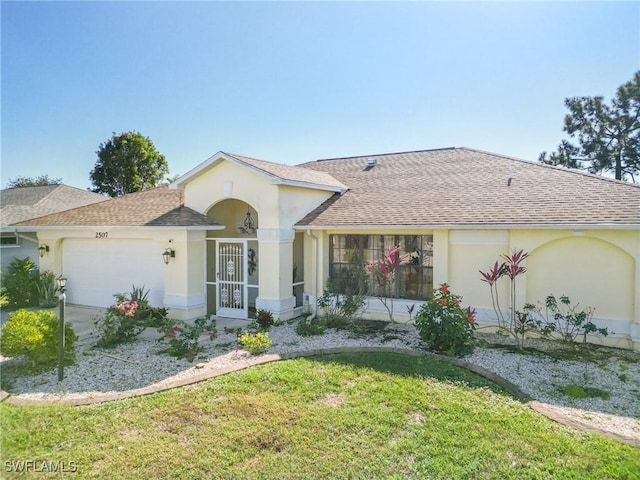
[298, 81]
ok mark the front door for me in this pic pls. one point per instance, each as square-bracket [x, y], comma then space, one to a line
[231, 295]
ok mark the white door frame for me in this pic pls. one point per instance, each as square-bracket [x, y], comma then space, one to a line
[232, 294]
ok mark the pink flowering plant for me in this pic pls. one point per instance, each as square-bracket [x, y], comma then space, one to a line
[127, 318]
[444, 325]
[127, 308]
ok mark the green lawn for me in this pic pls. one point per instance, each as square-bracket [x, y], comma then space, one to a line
[343, 416]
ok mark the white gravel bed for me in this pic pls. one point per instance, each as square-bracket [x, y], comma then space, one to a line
[141, 364]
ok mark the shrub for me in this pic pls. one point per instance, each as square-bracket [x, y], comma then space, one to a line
[344, 295]
[20, 283]
[47, 290]
[35, 335]
[565, 319]
[308, 328]
[128, 317]
[184, 338]
[255, 343]
[264, 319]
[444, 325]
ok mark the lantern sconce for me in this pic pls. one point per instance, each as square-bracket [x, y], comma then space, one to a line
[168, 254]
[249, 225]
[42, 249]
[62, 283]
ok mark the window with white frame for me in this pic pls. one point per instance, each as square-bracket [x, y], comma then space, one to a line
[9, 240]
[413, 277]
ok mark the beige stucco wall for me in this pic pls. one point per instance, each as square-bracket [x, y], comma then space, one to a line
[596, 268]
[183, 278]
[224, 190]
[277, 206]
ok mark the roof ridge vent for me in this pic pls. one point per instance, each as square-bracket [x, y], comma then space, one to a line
[371, 162]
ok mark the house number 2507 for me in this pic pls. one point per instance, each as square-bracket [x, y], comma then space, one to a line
[102, 234]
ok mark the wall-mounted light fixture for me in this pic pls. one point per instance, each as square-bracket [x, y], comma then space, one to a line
[249, 225]
[168, 254]
[42, 249]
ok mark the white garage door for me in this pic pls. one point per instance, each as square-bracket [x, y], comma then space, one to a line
[96, 269]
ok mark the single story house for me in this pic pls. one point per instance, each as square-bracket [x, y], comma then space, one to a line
[25, 203]
[237, 233]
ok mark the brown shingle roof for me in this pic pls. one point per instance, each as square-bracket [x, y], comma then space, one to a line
[24, 203]
[290, 173]
[158, 207]
[465, 187]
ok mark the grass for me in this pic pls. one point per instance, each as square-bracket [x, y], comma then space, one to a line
[341, 416]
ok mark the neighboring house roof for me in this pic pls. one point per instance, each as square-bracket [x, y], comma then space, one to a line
[465, 187]
[278, 173]
[24, 203]
[160, 207]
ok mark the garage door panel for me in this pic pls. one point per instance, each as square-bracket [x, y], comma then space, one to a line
[98, 269]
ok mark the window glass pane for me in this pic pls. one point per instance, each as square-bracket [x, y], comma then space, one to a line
[7, 240]
[414, 276]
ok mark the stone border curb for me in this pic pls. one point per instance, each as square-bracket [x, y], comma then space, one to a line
[542, 408]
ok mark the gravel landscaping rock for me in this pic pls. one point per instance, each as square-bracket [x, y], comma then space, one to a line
[542, 377]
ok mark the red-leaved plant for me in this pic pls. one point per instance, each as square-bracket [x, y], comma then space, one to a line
[383, 272]
[515, 324]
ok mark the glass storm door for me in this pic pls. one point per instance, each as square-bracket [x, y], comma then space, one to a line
[231, 295]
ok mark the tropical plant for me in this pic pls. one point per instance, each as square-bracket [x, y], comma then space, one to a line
[444, 325]
[47, 290]
[383, 272]
[515, 324]
[20, 283]
[264, 319]
[35, 335]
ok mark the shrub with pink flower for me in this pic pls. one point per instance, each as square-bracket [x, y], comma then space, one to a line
[129, 308]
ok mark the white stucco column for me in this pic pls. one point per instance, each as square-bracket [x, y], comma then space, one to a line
[184, 288]
[276, 272]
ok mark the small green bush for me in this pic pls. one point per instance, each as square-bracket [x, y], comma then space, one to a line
[35, 335]
[444, 325]
[255, 343]
[308, 328]
[577, 391]
[20, 283]
[184, 338]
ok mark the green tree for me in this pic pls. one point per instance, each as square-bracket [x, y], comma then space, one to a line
[41, 181]
[128, 163]
[608, 136]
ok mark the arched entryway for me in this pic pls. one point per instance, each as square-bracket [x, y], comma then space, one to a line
[232, 260]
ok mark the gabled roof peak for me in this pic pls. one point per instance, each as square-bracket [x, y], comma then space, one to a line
[279, 173]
